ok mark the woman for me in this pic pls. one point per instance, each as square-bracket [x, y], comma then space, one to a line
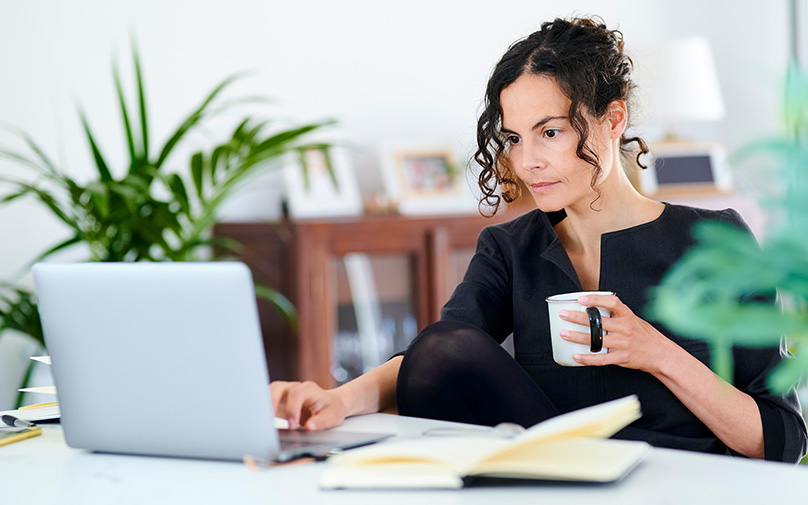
[557, 108]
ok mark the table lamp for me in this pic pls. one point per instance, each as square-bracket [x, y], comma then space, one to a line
[681, 84]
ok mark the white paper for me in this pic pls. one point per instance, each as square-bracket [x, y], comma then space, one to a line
[459, 453]
[35, 413]
[45, 390]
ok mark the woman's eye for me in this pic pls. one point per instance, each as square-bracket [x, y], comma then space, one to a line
[513, 140]
[552, 133]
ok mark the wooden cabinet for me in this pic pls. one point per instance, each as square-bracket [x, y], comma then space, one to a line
[301, 259]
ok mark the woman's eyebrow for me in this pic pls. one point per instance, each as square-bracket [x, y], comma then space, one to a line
[538, 125]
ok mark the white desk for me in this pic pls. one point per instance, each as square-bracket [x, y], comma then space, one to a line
[43, 470]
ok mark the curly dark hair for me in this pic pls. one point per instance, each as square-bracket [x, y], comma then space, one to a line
[587, 62]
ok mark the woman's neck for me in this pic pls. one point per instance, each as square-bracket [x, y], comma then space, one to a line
[617, 207]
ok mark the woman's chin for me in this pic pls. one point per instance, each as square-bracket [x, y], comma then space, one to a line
[546, 205]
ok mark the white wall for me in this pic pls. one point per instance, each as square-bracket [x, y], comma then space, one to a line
[386, 70]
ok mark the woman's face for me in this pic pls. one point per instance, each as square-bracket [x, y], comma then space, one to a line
[541, 143]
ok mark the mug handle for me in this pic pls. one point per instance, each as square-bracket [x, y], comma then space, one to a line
[596, 329]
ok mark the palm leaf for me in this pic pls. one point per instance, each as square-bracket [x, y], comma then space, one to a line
[197, 162]
[75, 239]
[239, 133]
[193, 119]
[46, 167]
[14, 196]
[100, 198]
[177, 187]
[277, 141]
[103, 170]
[282, 304]
[51, 202]
[229, 104]
[21, 313]
[130, 196]
[15, 156]
[74, 191]
[130, 141]
[220, 152]
[225, 247]
[329, 161]
[46, 161]
[141, 94]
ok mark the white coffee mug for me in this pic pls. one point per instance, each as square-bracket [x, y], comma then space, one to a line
[562, 349]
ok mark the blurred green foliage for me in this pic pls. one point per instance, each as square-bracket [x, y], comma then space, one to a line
[717, 291]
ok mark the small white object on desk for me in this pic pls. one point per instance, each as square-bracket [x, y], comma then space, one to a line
[36, 413]
[43, 390]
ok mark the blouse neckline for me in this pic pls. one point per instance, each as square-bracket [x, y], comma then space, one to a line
[554, 218]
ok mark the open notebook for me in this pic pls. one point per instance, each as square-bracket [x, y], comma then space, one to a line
[568, 447]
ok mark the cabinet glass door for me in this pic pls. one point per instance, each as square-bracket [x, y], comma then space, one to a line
[459, 260]
[376, 311]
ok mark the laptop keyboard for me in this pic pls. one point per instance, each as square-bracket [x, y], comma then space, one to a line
[319, 444]
[293, 439]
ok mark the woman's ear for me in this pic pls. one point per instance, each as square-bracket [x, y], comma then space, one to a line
[617, 118]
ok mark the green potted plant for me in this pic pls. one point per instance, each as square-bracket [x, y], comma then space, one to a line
[146, 211]
[713, 282]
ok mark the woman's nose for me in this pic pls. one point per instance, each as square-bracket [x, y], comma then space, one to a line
[532, 156]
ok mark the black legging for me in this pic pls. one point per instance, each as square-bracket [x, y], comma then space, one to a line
[456, 372]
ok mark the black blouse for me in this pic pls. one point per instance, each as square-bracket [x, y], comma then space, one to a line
[519, 264]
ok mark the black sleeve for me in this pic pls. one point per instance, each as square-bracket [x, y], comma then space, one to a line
[784, 431]
[484, 298]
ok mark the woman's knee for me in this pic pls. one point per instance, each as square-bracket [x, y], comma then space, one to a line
[447, 347]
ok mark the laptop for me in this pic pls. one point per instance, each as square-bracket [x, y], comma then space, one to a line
[166, 359]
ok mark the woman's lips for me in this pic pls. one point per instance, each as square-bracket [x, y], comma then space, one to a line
[542, 187]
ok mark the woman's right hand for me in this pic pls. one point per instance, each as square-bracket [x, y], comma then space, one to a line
[307, 405]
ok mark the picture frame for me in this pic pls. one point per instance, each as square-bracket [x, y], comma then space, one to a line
[320, 181]
[684, 169]
[426, 179]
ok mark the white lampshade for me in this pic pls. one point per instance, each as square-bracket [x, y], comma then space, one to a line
[680, 83]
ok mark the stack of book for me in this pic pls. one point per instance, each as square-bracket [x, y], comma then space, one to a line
[39, 411]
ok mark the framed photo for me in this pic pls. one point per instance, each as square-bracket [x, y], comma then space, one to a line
[320, 182]
[426, 180]
[686, 169]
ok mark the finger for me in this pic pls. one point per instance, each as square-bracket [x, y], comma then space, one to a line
[611, 325]
[582, 318]
[595, 359]
[278, 390]
[611, 302]
[296, 398]
[576, 337]
[323, 420]
[610, 342]
[575, 316]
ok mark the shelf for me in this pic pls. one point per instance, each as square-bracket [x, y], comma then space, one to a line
[418, 263]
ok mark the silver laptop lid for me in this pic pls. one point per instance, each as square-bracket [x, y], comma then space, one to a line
[158, 358]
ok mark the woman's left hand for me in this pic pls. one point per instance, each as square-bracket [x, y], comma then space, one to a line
[632, 341]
